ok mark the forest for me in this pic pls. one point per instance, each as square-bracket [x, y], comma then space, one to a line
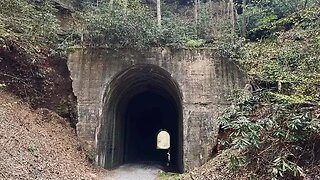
[274, 124]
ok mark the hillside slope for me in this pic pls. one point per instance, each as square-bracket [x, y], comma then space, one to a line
[39, 144]
[274, 124]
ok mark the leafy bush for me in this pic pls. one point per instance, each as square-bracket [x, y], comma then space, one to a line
[260, 15]
[277, 129]
[231, 48]
[277, 139]
[31, 25]
[194, 43]
[120, 25]
[133, 25]
[175, 30]
[288, 58]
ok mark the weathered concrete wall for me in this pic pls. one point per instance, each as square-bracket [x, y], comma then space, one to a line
[203, 79]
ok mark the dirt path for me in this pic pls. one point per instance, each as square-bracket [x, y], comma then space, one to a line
[134, 172]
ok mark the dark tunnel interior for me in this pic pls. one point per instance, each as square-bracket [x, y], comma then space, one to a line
[140, 102]
[147, 113]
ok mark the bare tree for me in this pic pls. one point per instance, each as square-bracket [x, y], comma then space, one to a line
[244, 22]
[196, 11]
[232, 16]
[305, 4]
[159, 13]
[210, 5]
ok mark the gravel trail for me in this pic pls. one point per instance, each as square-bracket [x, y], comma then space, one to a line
[134, 172]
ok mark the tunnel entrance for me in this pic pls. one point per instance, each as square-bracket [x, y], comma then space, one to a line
[147, 114]
[139, 103]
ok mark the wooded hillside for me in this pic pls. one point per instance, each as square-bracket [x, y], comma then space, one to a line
[274, 123]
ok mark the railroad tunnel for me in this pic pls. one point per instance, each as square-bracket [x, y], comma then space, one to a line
[138, 103]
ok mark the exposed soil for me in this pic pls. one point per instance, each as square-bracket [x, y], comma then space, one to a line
[39, 144]
[40, 80]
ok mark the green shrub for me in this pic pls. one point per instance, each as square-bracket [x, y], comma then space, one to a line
[30, 24]
[175, 30]
[288, 58]
[120, 25]
[276, 138]
[134, 25]
[194, 43]
[260, 15]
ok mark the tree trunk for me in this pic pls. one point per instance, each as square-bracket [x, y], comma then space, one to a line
[210, 8]
[236, 19]
[159, 13]
[244, 22]
[305, 4]
[232, 10]
[196, 11]
[228, 10]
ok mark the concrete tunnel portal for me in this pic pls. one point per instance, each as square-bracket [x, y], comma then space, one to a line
[138, 103]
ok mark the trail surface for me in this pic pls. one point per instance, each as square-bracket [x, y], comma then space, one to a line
[134, 172]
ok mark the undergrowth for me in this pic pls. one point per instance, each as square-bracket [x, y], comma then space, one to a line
[277, 126]
[278, 140]
[31, 27]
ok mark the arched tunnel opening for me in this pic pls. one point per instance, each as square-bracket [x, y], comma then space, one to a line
[147, 114]
[139, 103]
